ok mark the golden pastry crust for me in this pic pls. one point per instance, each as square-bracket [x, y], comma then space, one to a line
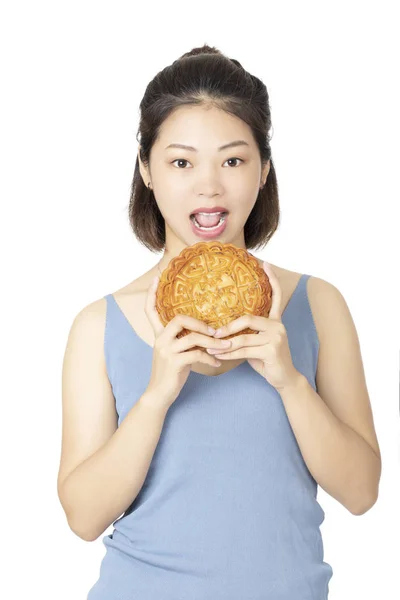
[215, 283]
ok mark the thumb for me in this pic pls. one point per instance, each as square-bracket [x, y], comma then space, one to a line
[274, 312]
[150, 307]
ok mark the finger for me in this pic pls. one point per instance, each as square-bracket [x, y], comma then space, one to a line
[188, 358]
[204, 341]
[150, 307]
[275, 312]
[181, 321]
[241, 341]
[246, 352]
[254, 322]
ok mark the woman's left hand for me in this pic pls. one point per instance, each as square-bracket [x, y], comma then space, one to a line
[268, 352]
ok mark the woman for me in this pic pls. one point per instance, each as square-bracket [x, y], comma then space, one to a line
[212, 464]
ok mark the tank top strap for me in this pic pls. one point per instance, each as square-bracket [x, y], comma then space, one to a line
[119, 338]
[301, 330]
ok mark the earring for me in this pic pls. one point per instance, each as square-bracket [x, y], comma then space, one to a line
[148, 185]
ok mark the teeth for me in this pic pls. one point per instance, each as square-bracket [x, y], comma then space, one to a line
[214, 213]
[223, 217]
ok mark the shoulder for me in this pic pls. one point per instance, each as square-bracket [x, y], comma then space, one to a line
[94, 312]
[89, 323]
[328, 306]
[85, 342]
[91, 319]
[329, 309]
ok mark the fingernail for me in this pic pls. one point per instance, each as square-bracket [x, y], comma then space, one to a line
[219, 331]
[211, 330]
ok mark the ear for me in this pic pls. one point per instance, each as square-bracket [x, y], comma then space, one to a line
[142, 169]
[265, 172]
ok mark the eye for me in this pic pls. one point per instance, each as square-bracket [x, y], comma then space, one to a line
[179, 160]
[235, 159]
[186, 161]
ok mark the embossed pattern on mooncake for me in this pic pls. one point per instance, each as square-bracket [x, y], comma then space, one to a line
[215, 283]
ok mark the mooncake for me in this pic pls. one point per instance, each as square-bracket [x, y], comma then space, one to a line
[214, 282]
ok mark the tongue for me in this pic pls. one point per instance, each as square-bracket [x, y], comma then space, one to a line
[208, 220]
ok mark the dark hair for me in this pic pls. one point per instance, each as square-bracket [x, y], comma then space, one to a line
[204, 76]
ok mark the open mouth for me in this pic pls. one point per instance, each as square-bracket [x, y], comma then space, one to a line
[204, 227]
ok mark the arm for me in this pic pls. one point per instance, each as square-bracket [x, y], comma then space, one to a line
[102, 467]
[338, 458]
[334, 427]
[103, 486]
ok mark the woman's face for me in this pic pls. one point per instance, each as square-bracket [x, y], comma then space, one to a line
[184, 180]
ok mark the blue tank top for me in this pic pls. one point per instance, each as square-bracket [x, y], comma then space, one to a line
[228, 509]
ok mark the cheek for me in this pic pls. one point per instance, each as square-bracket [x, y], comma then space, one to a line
[171, 210]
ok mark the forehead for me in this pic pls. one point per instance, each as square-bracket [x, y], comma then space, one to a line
[204, 128]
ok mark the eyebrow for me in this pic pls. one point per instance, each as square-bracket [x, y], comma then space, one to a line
[230, 145]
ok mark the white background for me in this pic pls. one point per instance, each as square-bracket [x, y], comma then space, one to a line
[73, 75]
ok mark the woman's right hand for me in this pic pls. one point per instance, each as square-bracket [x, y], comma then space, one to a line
[171, 363]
